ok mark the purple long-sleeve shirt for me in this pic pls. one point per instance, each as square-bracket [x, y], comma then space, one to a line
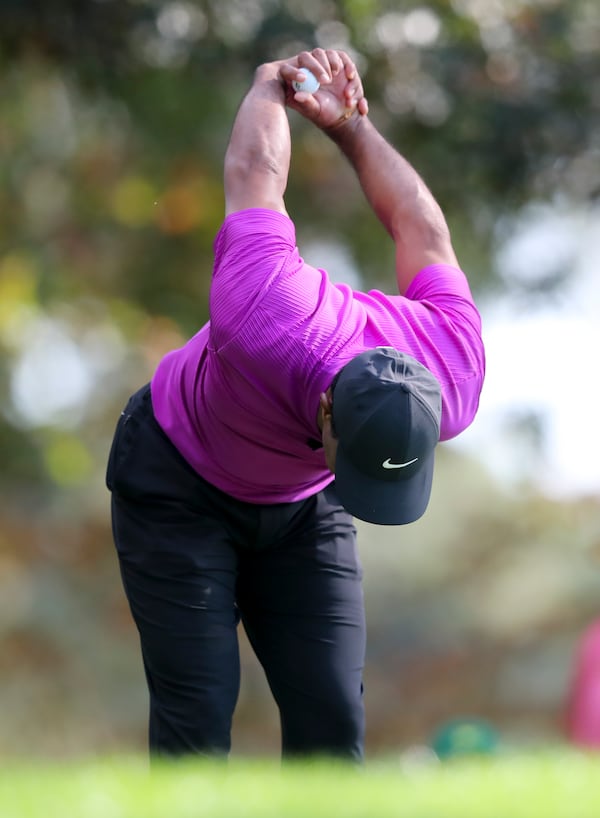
[240, 399]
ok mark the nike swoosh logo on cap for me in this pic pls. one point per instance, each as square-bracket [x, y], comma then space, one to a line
[387, 464]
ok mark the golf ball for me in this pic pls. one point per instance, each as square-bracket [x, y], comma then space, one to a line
[310, 84]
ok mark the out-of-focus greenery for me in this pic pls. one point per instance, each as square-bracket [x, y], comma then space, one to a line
[549, 785]
[114, 117]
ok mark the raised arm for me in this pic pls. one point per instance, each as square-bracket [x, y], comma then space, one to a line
[393, 188]
[257, 159]
[399, 197]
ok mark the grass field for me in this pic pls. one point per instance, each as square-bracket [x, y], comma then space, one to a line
[553, 784]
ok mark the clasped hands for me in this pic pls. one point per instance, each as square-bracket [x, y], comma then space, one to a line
[340, 94]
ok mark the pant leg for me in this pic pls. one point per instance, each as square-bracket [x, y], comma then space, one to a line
[302, 607]
[179, 573]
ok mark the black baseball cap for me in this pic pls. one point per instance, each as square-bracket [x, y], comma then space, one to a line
[386, 409]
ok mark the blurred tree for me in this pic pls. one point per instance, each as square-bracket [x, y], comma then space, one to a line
[495, 102]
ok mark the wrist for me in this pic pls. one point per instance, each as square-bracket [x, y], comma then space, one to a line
[267, 84]
[266, 72]
[348, 128]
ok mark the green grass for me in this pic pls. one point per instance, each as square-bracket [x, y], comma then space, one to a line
[554, 784]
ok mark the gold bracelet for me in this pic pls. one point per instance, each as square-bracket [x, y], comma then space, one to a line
[344, 118]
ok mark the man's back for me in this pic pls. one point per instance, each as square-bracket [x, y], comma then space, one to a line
[240, 400]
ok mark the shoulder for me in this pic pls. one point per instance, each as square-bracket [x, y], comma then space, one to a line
[437, 280]
[252, 225]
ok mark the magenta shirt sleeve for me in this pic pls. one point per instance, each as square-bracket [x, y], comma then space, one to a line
[250, 250]
[447, 325]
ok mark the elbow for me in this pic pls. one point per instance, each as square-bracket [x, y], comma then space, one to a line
[428, 231]
[254, 180]
[241, 167]
[420, 242]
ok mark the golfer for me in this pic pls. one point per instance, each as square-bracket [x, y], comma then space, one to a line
[236, 473]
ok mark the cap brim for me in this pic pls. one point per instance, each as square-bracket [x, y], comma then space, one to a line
[384, 502]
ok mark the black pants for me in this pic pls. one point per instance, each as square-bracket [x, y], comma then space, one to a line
[194, 561]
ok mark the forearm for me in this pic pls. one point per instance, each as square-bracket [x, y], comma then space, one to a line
[257, 159]
[398, 196]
